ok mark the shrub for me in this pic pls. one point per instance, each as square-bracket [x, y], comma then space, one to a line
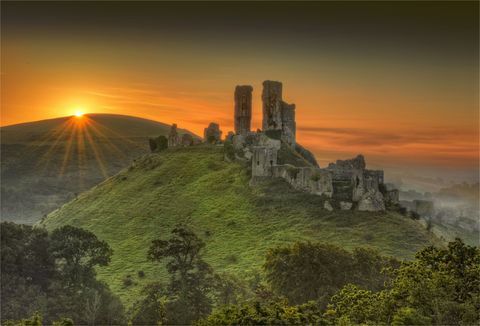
[414, 215]
[141, 274]
[127, 281]
[158, 144]
[315, 176]
[231, 259]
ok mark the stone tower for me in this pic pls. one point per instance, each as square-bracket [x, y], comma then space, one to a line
[243, 109]
[272, 105]
[277, 114]
[173, 137]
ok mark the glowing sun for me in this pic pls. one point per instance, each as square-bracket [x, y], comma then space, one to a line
[78, 114]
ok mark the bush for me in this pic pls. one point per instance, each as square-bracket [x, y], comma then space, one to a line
[315, 176]
[127, 281]
[141, 274]
[158, 144]
[414, 215]
[231, 259]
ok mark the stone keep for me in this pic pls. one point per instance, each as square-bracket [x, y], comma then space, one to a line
[243, 109]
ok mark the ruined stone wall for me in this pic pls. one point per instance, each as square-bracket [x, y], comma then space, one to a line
[263, 160]
[393, 196]
[309, 179]
[243, 109]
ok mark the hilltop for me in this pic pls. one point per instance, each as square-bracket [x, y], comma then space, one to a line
[46, 163]
[238, 222]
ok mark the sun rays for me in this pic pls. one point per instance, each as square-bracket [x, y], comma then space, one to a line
[80, 143]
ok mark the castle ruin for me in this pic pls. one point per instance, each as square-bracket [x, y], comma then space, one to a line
[274, 153]
[346, 184]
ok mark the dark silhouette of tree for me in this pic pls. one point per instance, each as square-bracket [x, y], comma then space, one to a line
[192, 280]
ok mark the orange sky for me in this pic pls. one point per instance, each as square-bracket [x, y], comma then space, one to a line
[398, 109]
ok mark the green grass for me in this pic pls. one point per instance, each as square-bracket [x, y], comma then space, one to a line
[237, 222]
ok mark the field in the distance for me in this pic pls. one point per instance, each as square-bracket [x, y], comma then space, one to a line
[237, 222]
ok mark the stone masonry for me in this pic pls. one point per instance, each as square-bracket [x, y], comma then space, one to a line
[347, 182]
[277, 114]
[243, 109]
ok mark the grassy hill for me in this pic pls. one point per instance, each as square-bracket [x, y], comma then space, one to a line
[237, 222]
[46, 163]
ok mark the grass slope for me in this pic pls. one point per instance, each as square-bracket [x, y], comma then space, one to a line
[237, 222]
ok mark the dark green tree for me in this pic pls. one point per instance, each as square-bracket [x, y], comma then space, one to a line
[266, 313]
[308, 271]
[54, 275]
[150, 309]
[77, 251]
[158, 144]
[441, 286]
[192, 281]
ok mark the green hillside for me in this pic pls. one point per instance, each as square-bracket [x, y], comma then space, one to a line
[237, 222]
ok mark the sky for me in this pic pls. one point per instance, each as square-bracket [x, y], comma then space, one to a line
[396, 81]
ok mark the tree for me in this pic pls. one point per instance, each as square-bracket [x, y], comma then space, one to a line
[308, 271]
[77, 251]
[150, 310]
[192, 280]
[158, 144]
[266, 313]
[37, 271]
[441, 286]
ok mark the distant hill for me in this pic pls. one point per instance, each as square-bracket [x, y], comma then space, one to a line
[238, 222]
[46, 163]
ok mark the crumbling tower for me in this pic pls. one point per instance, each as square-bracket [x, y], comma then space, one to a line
[243, 109]
[277, 114]
[272, 105]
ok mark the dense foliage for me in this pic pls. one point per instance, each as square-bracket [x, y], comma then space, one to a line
[50, 278]
[54, 275]
[441, 287]
[266, 313]
[308, 271]
[158, 144]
